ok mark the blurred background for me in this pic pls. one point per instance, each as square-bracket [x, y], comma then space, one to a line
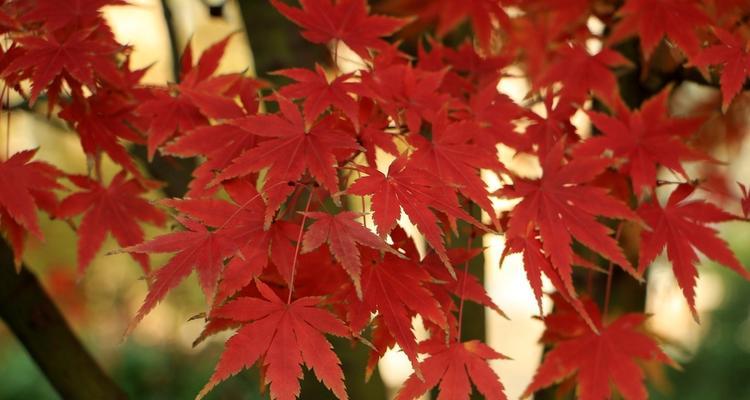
[158, 361]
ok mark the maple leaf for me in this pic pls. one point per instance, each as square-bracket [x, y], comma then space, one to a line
[8, 21]
[643, 139]
[189, 104]
[373, 131]
[651, 20]
[79, 58]
[452, 366]
[191, 75]
[169, 116]
[476, 66]
[733, 55]
[454, 159]
[32, 183]
[581, 73]
[293, 148]
[406, 94]
[465, 286]
[342, 233]
[196, 248]
[566, 14]
[394, 287]
[536, 263]
[562, 206]
[284, 336]
[76, 13]
[493, 114]
[482, 13]
[413, 191]
[218, 144]
[440, 57]
[319, 93]
[241, 221]
[115, 208]
[26, 185]
[545, 132]
[100, 121]
[15, 234]
[680, 226]
[344, 20]
[598, 361]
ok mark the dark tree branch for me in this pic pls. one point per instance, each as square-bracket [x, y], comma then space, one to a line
[173, 45]
[34, 319]
[276, 41]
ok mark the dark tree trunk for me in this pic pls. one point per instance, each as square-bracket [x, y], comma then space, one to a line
[40, 327]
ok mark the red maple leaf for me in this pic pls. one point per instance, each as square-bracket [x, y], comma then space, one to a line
[284, 336]
[414, 191]
[445, 288]
[101, 121]
[218, 144]
[293, 148]
[733, 56]
[643, 139]
[581, 73]
[562, 206]
[76, 13]
[79, 59]
[599, 361]
[493, 114]
[408, 95]
[344, 20]
[452, 366]
[455, 159]
[680, 226]
[116, 208]
[342, 233]
[169, 115]
[651, 20]
[196, 248]
[394, 288]
[319, 93]
[566, 14]
[189, 104]
[241, 222]
[484, 14]
[551, 128]
[373, 131]
[536, 263]
[25, 185]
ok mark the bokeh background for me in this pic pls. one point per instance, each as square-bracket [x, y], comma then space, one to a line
[158, 361]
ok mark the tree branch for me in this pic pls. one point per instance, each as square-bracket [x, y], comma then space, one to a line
[34, 319]
[173, 44]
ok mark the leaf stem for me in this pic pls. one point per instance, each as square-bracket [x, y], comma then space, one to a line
[247, 203]
[610, 271]
[362, 203]
[296, 249]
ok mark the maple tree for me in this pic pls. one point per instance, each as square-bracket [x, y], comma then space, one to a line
[274, 222]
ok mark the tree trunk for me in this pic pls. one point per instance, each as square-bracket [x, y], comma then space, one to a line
[38, 324]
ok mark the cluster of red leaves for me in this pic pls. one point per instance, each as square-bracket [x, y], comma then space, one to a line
[266, 229]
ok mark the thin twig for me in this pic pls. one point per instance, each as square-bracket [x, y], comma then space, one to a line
[609, 274]
[296, 249]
